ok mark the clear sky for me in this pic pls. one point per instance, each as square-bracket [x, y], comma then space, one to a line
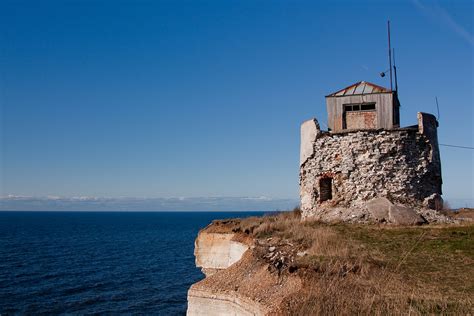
[164, 99]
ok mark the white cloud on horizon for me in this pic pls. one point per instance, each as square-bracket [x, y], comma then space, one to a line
[88, 203]
[91, 203]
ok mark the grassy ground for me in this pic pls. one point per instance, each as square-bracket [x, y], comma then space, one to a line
[373, 269]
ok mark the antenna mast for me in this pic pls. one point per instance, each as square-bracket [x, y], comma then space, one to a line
[389, 54]
[395, 71]
[437, 106]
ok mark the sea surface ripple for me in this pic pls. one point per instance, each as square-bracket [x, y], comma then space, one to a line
[79, 263]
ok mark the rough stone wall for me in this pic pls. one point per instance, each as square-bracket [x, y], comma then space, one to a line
[402, 165]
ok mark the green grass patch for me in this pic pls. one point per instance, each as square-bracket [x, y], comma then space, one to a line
[440, 256]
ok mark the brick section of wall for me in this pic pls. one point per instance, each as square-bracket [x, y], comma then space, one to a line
[361, 120]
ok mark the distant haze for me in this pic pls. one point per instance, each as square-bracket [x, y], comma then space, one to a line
[22, 203]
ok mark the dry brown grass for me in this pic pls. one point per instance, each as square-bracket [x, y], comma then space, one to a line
[370, 269]
[462, 213]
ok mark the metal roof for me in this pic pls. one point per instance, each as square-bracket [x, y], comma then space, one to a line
[361, 87]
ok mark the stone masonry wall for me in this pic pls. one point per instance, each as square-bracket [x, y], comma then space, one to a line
[402, 165]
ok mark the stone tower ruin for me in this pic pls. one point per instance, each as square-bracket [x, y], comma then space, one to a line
[365, 158]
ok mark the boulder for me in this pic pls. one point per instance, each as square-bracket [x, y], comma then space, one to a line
[379, 208]
[402, 215]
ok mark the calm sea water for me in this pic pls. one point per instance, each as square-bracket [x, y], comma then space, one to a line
[99, 262]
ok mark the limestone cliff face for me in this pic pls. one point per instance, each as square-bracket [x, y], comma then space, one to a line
[208, 303]
[217, 251]
[238, 281]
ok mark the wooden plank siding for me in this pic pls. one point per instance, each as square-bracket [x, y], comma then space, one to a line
[383, 106]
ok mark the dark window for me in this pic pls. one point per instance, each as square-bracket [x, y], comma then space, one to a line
[359, 107]
[367, 107]
[325, 189]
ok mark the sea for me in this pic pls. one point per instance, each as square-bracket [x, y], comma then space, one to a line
[85, 263]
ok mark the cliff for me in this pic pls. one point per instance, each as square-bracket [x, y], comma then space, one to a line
[237, 280]
[280, 265]
[215, 251]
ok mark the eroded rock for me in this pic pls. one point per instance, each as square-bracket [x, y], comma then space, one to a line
[216, 251]
[402, 215]
[379, 208]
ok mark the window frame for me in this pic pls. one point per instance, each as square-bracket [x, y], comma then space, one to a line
[359, 107]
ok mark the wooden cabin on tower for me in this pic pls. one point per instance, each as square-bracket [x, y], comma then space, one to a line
[363, 105]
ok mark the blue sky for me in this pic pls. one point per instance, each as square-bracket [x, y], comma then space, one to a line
[160, 99]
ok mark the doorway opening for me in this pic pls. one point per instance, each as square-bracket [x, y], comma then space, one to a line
[325, 189]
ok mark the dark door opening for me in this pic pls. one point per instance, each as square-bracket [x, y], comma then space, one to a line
[325, 189]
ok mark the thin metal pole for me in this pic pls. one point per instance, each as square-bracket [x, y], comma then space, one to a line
[395, 70]
[437, 106]
[390, 54]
